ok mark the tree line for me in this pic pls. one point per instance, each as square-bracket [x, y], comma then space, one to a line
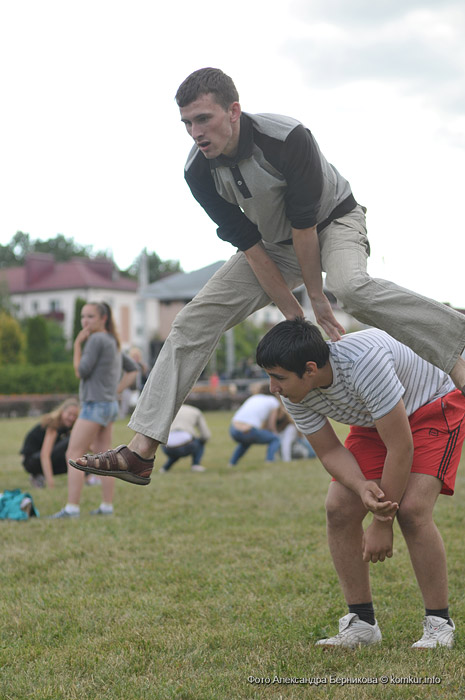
[14, 254]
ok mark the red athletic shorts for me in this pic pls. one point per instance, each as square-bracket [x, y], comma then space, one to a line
[438, 431]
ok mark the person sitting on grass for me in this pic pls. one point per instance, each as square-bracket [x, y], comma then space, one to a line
[402, 450]
[45, 445]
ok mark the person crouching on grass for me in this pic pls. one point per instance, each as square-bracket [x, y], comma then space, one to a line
[402, 451]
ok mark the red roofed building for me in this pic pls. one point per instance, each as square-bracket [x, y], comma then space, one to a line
[45, 287]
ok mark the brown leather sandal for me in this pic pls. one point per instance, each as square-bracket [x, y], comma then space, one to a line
[120, 462]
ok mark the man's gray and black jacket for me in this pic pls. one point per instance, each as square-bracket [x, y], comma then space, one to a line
[278, 180]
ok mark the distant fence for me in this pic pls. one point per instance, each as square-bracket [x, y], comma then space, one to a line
[227, 396]
[18, 405]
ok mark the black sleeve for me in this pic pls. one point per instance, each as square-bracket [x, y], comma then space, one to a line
[233, 225]
[301, 166]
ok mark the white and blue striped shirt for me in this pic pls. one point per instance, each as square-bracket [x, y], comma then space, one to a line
[371, 373]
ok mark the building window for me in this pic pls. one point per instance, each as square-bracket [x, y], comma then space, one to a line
[54, 304]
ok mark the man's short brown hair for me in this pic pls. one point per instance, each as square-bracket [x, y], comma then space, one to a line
[205, 81]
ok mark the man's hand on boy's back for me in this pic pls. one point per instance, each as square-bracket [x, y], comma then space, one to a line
[325, 318]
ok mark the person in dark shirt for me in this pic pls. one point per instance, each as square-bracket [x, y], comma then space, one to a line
[45, 445]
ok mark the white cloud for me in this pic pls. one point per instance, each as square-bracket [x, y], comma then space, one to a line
[417, 46]
[360, 13]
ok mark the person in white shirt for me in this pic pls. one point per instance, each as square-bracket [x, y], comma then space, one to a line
[402, 451]
[254, 423]
[188, 435]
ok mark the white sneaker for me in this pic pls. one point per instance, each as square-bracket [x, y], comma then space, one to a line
[353, 632]
[437, 632]
[197, 468]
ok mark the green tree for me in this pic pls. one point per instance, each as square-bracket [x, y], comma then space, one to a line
[14, 252]
[246, 338]
[12, 340]
[78, 304]
[157, 268]
[62, 248]
[5, 299]
[37, 341]
[57, 342]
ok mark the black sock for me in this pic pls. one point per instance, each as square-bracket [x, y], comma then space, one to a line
[443, 612]
[365, 611]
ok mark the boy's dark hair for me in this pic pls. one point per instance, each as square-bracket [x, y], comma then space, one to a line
[290, 345]
[205, 81]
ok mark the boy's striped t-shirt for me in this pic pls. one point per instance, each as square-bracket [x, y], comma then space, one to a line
[371, 373]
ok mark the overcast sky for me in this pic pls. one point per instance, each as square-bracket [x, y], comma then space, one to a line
[92, 146]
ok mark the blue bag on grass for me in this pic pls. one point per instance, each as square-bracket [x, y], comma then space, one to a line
[15, 505]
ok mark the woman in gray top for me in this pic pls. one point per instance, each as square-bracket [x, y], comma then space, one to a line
[104, 372]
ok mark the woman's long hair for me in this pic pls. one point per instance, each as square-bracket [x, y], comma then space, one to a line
[53, 419]
[104, 309]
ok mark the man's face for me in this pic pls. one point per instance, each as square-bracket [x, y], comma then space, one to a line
[214, 130]
[289, 384]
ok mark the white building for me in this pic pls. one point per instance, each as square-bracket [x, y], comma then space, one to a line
[45, 287]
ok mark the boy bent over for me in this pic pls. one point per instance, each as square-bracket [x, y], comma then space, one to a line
[406, 436]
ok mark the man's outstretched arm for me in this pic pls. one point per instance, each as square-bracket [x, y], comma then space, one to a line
[272, 282]
[307, 248]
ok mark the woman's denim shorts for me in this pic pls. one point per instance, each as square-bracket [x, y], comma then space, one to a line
[101, 412]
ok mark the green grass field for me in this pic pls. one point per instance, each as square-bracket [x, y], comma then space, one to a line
[200, 585]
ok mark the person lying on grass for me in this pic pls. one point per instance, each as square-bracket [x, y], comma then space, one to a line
[405, 440]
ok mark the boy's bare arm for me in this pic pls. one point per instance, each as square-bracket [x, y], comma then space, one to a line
[394, 430]
[342, 465]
